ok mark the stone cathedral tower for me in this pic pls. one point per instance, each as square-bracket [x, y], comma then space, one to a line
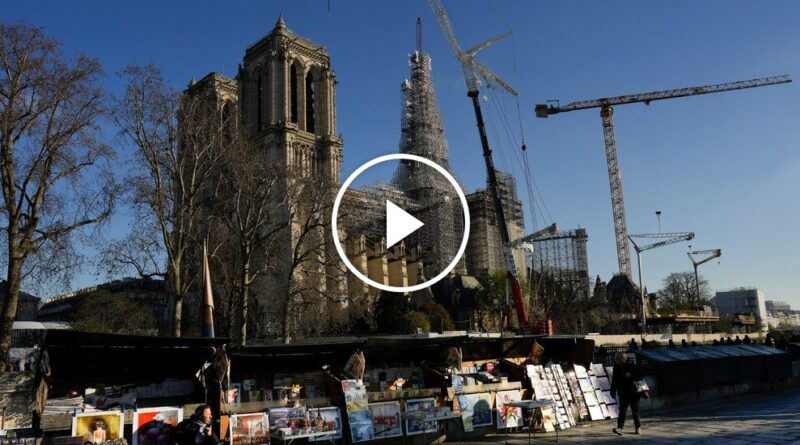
[287, 102]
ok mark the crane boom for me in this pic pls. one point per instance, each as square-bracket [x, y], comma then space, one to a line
[711, 254]
[473, 70]
[606, 105]
[666, 240]
[671, 238]
[545, 110]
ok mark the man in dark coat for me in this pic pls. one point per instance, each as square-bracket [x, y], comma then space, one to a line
[624, 389]
[197, 429]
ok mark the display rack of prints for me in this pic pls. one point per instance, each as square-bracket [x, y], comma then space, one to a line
[508, 416]
[416, 426]
[577, 394]
[569, 401]
[357, 407]
[601, 386]
[547, 384]
[386, 420]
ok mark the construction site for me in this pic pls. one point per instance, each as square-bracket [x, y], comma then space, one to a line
[499, 241]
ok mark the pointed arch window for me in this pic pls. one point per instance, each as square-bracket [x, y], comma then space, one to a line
[293, 94]
[260, 106]
[309, 102]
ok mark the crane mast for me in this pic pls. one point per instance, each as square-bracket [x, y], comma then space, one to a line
[666, 240]
[473, 71]
[606, 105]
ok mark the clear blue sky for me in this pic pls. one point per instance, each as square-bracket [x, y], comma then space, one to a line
[725, 166]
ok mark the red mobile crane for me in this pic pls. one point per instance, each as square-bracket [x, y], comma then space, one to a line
[472, 71]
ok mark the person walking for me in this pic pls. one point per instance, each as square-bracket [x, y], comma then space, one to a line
[623, 388]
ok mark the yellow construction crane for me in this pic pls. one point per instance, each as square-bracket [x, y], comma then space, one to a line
[606, 105]
[666, 240]
[709, 255]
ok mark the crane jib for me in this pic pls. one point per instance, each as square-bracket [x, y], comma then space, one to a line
[545, 110]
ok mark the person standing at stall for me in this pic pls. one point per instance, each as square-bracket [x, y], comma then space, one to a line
[623, 388]
[198, 429]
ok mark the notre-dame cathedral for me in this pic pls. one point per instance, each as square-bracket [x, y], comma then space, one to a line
[286, 100]
[285, 96]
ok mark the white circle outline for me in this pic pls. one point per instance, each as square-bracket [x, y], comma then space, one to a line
[338, 201]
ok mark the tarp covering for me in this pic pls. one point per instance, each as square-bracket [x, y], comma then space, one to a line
[684, 369]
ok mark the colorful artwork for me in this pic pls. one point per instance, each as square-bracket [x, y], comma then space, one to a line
[98, 427]
[155, 426]
[426, 407]
[249, 429]
[479, 406]
[386, 420]
[605, 385]
[508, 417]
[333, 421]
[547, 419]
[287, 417]
[358, 415]
[613, 411]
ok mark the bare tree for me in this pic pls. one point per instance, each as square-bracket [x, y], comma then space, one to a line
[53, 168]
[140, 251]
[178, 141]
[309, 271]
[250, 211]
[680, 291]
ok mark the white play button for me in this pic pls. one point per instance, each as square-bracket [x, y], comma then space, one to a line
[399, 224]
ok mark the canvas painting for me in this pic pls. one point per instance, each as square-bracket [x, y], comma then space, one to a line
[604, 410]
[590, 398]
[598, 369]
[547, 419]
[99, 426]
[415, 426]
[333, 421]
[479, 405]
[596, 413]
[508, 417]
[249, 429]
[286, 417]
[155, 426]
[386, 420]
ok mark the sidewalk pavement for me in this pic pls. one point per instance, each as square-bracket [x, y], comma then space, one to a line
[772, 418]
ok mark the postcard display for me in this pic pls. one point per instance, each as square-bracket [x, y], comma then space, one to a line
[552, 384]
[594, 385]
[358, 414]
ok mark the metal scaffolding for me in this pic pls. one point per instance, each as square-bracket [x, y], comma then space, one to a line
[563, 257]
[422, 134]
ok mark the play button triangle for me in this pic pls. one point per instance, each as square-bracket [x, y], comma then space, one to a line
[399, 224]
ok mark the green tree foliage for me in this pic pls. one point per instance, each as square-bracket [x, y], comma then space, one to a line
[107, 313]
[394, 314]
[417, 320]
[438, 317]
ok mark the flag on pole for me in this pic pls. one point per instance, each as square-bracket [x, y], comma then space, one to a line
[208, 298]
